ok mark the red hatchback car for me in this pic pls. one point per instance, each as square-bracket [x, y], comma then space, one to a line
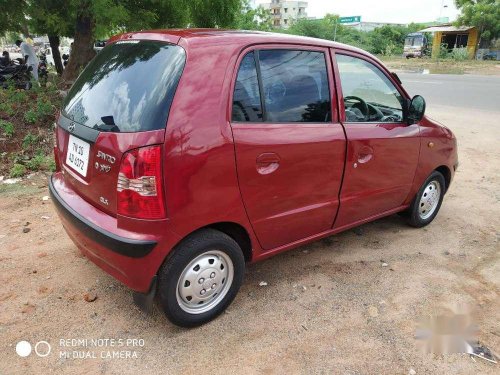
[184, 154]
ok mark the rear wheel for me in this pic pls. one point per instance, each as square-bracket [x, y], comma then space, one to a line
[201, 278]
[428, 201]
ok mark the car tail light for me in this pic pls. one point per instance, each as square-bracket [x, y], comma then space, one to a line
[140, 184]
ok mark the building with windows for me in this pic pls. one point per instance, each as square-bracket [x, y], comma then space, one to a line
[284, 12]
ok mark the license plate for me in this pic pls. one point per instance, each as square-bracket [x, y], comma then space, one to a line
[77, 156]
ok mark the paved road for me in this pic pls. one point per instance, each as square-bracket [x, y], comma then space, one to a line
[462, 91]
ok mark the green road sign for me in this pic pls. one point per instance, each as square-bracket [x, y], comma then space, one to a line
[350, 19]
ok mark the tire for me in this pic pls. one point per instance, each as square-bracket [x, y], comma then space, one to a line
[427, 201]
[200, 278]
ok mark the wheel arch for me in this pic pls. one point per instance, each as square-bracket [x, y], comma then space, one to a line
[445, 171]
[234, 230]
[238, 233]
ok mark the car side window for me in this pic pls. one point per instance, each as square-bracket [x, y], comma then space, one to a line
[246, 97]
[295, 86]
[369, 96]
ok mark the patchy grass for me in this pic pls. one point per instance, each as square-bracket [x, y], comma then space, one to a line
[26, 128]
[7, 127]
[442, 66]
[18, 189]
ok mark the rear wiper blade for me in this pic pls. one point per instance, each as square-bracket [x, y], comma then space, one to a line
[107, 128]
[108, 125]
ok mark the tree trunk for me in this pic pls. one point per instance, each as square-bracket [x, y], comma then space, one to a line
[54, 46]
[83, 45]
[25, 30]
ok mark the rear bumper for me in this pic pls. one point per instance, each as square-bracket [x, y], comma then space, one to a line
[120, 245]
[131, 256]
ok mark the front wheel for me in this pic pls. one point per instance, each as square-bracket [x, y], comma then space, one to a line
[201, 278]
[428, 200]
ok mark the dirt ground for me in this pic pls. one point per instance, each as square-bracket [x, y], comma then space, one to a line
[448, 66]
[328, 307]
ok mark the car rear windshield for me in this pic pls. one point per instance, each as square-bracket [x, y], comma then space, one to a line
[128, 87]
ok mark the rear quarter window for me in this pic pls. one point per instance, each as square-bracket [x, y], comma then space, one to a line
[128, 87]
[246, 98]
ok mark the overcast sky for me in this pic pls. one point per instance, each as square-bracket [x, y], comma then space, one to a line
[393, 11]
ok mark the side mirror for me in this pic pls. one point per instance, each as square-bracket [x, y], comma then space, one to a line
[416, 110]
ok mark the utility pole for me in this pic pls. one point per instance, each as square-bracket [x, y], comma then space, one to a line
[443, 6]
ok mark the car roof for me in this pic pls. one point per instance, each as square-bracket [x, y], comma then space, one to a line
[242, 37]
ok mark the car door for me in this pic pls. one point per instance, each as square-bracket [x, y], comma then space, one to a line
[289, 145]
[382, 150]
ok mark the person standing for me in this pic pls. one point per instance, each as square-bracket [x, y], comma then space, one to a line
[29, 57]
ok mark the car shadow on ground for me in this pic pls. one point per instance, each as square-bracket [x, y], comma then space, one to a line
[355, 250]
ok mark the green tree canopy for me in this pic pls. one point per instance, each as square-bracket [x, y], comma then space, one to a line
[250, 18]
[12, 16]
[387, 39]
[163, 14]
[108, 17]
[51, 17]
[212, 13]
[484, 14]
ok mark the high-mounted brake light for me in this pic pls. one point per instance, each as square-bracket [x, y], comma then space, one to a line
[140, 184]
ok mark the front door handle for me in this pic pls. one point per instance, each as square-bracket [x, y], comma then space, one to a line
[267, 163]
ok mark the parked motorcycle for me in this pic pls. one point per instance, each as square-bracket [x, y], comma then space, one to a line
[42, 69]
[17, 74]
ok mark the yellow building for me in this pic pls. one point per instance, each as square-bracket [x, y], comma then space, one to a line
[453, 37]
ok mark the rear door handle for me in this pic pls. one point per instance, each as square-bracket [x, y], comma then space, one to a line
[365, 154]
[267, 163]
[364, 158]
